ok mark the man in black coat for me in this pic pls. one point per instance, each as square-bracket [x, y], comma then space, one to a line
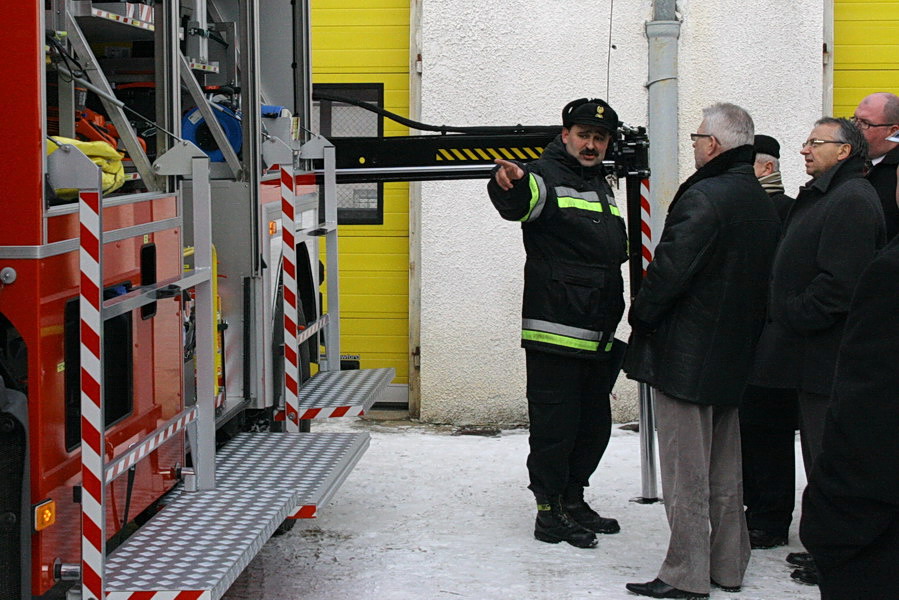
[768, 416]
[850, 510]
[832, 232]
[695, 323]
[877, 115]
[575, 241]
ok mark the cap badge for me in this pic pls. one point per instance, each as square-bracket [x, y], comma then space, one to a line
[599, 111]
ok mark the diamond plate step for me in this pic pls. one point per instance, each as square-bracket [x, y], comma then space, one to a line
[201, 541]
[342, 393]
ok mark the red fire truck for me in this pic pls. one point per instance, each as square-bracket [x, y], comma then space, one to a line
[158, 299]
[160, 307]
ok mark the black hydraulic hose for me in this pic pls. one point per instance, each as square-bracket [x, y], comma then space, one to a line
[485, 130]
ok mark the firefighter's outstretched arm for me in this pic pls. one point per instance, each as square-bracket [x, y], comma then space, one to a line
[517, 191]
[507, 174]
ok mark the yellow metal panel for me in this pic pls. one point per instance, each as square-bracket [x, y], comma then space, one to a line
[367, 41]
[363, 61]
[356, 17]
[377, 282]
[866, 51]
[389, 245]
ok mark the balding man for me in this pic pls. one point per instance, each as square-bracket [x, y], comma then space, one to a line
[877, 116]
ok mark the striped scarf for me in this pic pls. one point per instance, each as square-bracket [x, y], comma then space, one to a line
[773, 184]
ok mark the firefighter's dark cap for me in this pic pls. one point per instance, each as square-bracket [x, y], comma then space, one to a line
[590, 111]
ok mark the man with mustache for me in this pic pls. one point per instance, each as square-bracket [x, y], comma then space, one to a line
[575, 241]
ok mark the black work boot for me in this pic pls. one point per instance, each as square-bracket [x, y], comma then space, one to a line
[574, 504]
[554, 525]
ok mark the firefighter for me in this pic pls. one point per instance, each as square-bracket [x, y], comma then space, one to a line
[575, 241]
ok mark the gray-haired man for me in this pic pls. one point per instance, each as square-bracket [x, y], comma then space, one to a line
[695, 322]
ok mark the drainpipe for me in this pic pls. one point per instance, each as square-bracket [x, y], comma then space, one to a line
[662, 33]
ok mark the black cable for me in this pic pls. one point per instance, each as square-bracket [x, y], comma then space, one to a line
[71, 63]
[444, 129]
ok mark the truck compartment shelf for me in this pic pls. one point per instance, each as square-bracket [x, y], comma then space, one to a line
[342, 393]
[201, 541]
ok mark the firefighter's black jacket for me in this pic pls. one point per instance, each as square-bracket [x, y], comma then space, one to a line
[575, 242]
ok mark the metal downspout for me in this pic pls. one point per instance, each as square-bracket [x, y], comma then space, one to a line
[662, 34]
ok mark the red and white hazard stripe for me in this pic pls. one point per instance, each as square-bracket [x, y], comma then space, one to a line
[164, 595]
[137, 453]
[332, 412]
[645, 224]
[93, 536]
[289, 259]
[306, 511]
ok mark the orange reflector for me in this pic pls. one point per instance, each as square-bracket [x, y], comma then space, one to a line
[272, 227]
[44, 515]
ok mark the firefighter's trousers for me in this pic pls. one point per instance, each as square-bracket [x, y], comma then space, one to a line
[571, 420]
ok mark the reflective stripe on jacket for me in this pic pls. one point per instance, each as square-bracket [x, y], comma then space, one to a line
[575, 242]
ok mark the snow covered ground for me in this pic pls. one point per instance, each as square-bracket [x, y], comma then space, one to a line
[430, 514]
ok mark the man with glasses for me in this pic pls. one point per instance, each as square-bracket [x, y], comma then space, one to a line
[695, 322]
[832, 232]
[877, 116]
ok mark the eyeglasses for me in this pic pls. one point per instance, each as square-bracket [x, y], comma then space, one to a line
[819, 143]
[697, 136]
[863, 124]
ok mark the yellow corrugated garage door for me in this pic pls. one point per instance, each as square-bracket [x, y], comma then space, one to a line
[866, 51]
[367, 42]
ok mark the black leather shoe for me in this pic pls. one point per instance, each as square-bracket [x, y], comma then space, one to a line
[805, 576]
[801, 559]
[726, 588]
[760, 539]
[659, 589]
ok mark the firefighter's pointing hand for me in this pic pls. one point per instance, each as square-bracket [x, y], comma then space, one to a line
[508, 173]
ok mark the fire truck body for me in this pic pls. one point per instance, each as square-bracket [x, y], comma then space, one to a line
[135, 381]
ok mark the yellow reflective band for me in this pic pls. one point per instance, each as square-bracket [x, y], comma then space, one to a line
[614, 210]
[609, 346]
[537, 198]
[567, 202]
[558, 340]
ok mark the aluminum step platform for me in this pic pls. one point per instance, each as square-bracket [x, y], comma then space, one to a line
[201, 541]
[342, 393]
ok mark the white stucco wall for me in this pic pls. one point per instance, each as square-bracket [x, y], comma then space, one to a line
[520, 61]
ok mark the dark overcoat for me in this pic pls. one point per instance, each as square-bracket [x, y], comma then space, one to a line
[883, 177]
[700, 308]
[850, 510]
[831, 234]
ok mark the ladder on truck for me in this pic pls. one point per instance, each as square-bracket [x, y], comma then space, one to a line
[231, 501]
